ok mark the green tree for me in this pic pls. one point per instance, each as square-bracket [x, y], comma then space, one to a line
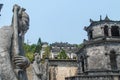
[29, 51]
[46, 54]
[80, 45]
[62, 55]
[38, 46]
[30, 56]
[29, 48]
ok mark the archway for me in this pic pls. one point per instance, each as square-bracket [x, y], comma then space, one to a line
[106, 30]
[82, 63]
[115, 31]
[90, 34]
[113, 61]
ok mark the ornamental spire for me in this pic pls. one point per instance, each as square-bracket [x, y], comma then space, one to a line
[0, 7]
[100, 17]
[107, 18]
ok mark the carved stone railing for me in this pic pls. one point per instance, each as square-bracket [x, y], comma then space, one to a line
[94, 77]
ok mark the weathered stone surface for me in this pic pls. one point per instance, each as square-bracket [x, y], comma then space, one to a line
[37, 75]
[59, 69]
[6, 68]
[11, 47]
[99, 57]
[37, 68]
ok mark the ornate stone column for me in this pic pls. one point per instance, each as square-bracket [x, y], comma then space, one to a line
[107, 61]
[102, 30]
[109, 32]
[79, 67]
[86, 63]
[88, 34]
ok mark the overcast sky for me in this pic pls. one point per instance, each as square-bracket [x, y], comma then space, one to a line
[60, 20]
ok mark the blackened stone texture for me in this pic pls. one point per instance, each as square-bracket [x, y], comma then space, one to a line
[6, 69]
[99, 57]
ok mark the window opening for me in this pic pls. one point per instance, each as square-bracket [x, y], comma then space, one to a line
[115, 31]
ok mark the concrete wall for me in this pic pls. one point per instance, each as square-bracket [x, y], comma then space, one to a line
[59, 69]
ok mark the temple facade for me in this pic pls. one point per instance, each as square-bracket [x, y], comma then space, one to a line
[99, 57]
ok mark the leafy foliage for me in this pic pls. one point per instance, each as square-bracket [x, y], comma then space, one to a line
[62, 55]
[29, 48]
[38, 46]
[30, 56]
[80, 45]
[46, 54]
[29, 51]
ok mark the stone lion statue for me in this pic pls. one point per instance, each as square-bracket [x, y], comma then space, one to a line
[13, 63]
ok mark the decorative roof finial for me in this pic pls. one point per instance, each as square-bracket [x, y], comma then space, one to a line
[100, 17]
[106, 18]
[1, 8]
[85, 28]
[91, 21]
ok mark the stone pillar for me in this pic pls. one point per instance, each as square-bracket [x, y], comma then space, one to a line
[88, 35]
[107, 58]
[108, 62]
[52, 55]
[86, 63]
[46, 68]
[102, 30]
[79, 65]
[109, 31]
